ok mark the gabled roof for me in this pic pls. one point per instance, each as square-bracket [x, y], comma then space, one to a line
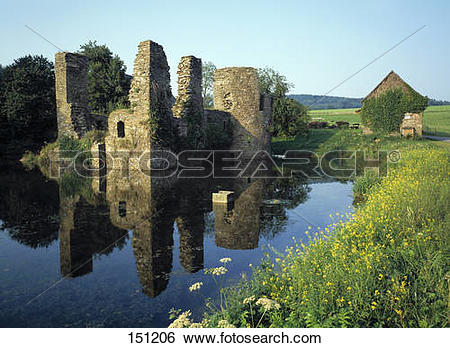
[392, 80]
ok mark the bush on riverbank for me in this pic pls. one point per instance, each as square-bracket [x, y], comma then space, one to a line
[384, 267]
[72, 147]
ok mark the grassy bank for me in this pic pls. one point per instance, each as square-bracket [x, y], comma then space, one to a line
[71, 147]
[383, 267]
[436, 119]
[323, 140]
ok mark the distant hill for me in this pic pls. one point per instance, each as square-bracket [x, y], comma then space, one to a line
[320, 102]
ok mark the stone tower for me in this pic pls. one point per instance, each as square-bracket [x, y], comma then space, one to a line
[236, 91]
[130, 130]
[150, 87]
[189, 100]
[72, 98]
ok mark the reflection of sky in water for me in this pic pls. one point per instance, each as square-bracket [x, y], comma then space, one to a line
[111, 294]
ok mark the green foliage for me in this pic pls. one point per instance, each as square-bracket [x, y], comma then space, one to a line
[217, 138]
[289, 118]
[196, 137]
[81, 148]
[208, 69]
[160, 127]
[47, 153]
[108, 83]
[29, 160]
[273, 83]
[27, 99]
[364, 184]
[384, 113]
[70, 144]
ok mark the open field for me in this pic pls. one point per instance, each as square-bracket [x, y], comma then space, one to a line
[331, 116]
[323, 140]
[436, 119]
[333, 111]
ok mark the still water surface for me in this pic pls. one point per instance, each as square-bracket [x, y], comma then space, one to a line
[123, 253]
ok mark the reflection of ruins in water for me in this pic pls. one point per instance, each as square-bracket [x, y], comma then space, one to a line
[95, 222]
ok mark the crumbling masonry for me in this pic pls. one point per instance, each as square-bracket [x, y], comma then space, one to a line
[152, 121]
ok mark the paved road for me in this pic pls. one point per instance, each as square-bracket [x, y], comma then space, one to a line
[432, 137]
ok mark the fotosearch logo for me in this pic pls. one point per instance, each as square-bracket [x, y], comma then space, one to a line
[339, 164]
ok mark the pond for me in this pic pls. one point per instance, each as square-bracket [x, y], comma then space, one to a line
[122, 253]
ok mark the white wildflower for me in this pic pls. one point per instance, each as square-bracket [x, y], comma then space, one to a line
[268, 304]
[217, 271]
[249, 300]
[183, 320]
[225, 324]
[225, 260]
[195, 286]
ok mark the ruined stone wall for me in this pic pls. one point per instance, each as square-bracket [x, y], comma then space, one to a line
[72, 98]
[150, 86]
[189, 100]
[217, 118]
[413, 121]
[236, 91]
[131, 132]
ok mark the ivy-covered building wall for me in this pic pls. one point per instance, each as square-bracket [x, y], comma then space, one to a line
[393, 107]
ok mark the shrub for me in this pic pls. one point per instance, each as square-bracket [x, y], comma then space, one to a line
[217, 138]
[363, 185]
[29, 160]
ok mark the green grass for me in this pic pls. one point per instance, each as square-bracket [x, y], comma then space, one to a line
[436, 121]
[386, 266]
[334, 115]
[333, 111]
[323, 140]
[310, 142]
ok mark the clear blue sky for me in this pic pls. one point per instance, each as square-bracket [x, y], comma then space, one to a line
[316, 44]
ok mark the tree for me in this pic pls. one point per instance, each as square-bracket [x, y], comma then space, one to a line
[28, 98]
[273, 83]
[208, 70]
[4, 127]
[289, 117]
[108, 83]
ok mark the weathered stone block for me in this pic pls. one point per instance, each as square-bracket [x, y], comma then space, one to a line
[222, 197]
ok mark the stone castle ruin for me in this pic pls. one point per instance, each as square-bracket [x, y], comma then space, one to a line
[153, 121]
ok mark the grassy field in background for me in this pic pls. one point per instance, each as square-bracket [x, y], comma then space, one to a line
[333, 115]
[436, 119]
[324, 140]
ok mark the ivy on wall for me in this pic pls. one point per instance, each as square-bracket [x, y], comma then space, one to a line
[384, 113]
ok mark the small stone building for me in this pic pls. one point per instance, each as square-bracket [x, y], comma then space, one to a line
[412, 122]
